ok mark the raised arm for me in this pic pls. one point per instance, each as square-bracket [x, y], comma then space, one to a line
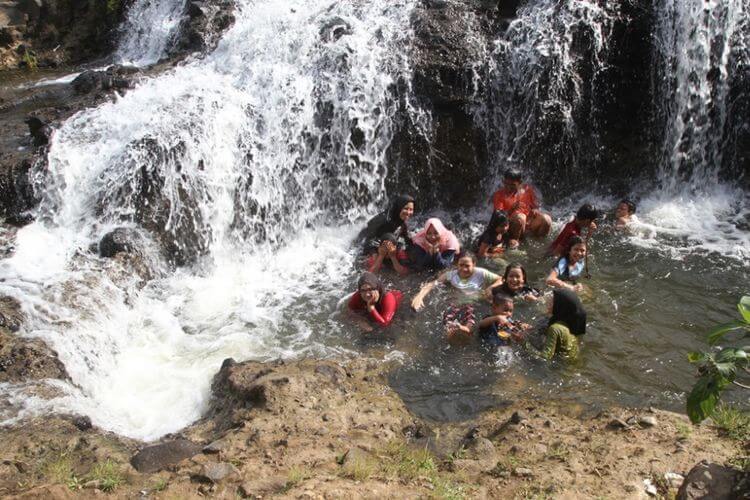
[553, 280]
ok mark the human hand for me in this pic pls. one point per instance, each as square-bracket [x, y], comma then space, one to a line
[383, 249]
[592, 227]
[534, 213]
[417, 303]
[391, 248]
[577, 287]
[530, 297]
[374, 297]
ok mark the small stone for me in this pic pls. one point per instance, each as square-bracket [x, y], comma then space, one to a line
[617, 423]
[82, 423]
[154, 458]
[675, 480]
[647, 421]
[217, 472]
[650, 488]
[548, 423]
[517, 417]
[522, 472]
[94, 484]
[216, 447]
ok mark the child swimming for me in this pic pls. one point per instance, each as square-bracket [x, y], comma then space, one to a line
[495, 238]
[515, 284]
[585, 218]
[570, 266]
[624, 213]
[471, 281]
[498, 328]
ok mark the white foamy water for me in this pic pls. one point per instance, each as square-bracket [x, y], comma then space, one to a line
[257, 158]
[148, 30]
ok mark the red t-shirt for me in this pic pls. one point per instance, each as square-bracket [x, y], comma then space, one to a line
[522, 201]
[560, 244]
[382, 313]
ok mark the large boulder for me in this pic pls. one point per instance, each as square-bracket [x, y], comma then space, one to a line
[707, 481]
[203, 24]
[160, 456]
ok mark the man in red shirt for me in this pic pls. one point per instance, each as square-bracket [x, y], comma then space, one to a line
[521, 203]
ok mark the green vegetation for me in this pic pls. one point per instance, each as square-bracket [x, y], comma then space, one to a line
[295, 476]
[718, 371]
[59, 470]
[108, 475]
[732, 422]
[29, 60]
[683, 431]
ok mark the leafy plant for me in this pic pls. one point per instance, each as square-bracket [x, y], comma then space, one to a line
[108, 474]
[719, 370]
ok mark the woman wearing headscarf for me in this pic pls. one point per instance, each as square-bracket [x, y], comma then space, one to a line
[382, 234]
[434, 247]
[394, 220]
[567, 322]
[371, 298]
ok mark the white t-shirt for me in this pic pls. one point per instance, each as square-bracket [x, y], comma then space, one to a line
[478, 281]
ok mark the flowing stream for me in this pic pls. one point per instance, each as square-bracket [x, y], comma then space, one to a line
[254, 166]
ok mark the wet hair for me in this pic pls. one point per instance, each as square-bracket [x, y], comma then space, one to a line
[513, 174]
[498, 218]
[464, 254]
[630, 204]
[510, 267]
[499, 297]
[388, 237]
[573, 241]
[587, 212]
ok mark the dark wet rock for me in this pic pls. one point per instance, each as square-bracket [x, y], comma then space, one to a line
[203, 24]
[39, 129]
[113, 78]
[335, 28]
[23, 359]
[16, 189]
[157, 457]
[715, 482]
[120, 240]
[517, 417]
[216, 472]
[82, 423]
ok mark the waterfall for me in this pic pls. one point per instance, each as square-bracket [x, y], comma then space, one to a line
[149, 28]
[540, 73]
[700, 46]
[701, 52]
[248, 165]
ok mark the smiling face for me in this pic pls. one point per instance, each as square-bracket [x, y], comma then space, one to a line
[577, 252]
[515, 279]
[407, 211]
[368, 293]
[432, 236]
[505, 308]
[465, 267]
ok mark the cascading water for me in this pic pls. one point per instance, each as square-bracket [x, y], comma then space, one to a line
[700, 47]
[234, 163]
[539, 77]
[148, 30]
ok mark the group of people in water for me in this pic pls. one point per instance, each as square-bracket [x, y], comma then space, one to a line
[516, 215]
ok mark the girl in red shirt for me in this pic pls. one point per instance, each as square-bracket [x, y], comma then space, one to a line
[371, 297]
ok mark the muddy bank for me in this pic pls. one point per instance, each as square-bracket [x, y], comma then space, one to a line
[323, 429]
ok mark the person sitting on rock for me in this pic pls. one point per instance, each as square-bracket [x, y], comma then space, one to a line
[495, 238]
[585, 218]
[624, 213]
[394, 220]
[434, 247]
[380, 305]
[471, 281]
[521, 203]
[567, 322]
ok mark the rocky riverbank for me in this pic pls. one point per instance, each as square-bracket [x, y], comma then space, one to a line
[326, 429]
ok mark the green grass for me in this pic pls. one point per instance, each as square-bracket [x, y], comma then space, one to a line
[295, 476]
[684, 430]
[59, 470]
[160, 484]
[734, 423]
[558, 451]
[108, 475]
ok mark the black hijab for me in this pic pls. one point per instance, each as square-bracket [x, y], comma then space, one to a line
[389, 221]
[567, 309]
[369, 278]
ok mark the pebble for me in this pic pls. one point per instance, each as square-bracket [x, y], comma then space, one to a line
[617, 423]
[216, 472]
[517, 417]
[215, 447]
[647, 421]
[675, 480]
[650, 487]
[523, 472]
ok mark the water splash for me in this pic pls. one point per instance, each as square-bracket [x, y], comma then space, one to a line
[235, 163]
